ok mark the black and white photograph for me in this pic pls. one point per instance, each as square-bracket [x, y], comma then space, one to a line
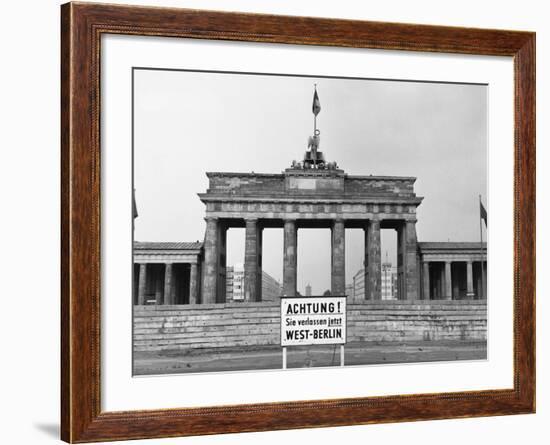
[292, 221]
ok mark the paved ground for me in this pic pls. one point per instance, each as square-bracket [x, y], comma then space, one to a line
[269, 357]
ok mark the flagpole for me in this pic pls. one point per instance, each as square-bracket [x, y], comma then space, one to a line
[314, 115]
[481, 251]
[315, 132]
[314, 124]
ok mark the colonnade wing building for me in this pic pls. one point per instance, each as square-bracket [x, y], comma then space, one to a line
[167, 273]
[308, 196]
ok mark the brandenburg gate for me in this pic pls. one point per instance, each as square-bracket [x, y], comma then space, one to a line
[312, 193]
[309, 194]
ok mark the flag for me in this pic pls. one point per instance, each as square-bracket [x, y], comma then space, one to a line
[316, 107]
[134, 206]
[483, 213]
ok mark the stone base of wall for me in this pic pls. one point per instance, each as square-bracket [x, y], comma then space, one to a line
[159, 328]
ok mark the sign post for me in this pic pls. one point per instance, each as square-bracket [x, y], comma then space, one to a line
[313, 321]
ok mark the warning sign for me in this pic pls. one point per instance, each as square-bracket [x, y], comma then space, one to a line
[313, 321]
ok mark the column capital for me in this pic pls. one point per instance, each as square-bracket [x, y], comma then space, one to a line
[211, 218]
[251, 218]
[251, 223]
[338, 224]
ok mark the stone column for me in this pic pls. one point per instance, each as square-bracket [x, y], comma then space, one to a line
[259, 264]
[426, 279]
[469, 280]
[442, 282]
[365, 295]
[290, 258]
[338, 258]
[401, 255]
[193, 283]
[410, 258]
[142, 285]
[222, 263]
[168, 285]
[448, 281]
[210, 281]
[373, 262]
[251, 261]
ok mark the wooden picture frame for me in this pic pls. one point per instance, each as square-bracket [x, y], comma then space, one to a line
[82, 26]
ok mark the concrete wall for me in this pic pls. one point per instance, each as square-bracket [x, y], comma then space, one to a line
[255, 324]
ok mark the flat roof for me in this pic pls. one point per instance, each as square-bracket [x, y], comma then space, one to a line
[311, 173]
[450, 245]
[178, 245]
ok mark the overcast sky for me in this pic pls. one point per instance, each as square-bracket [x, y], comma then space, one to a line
[187, 123]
